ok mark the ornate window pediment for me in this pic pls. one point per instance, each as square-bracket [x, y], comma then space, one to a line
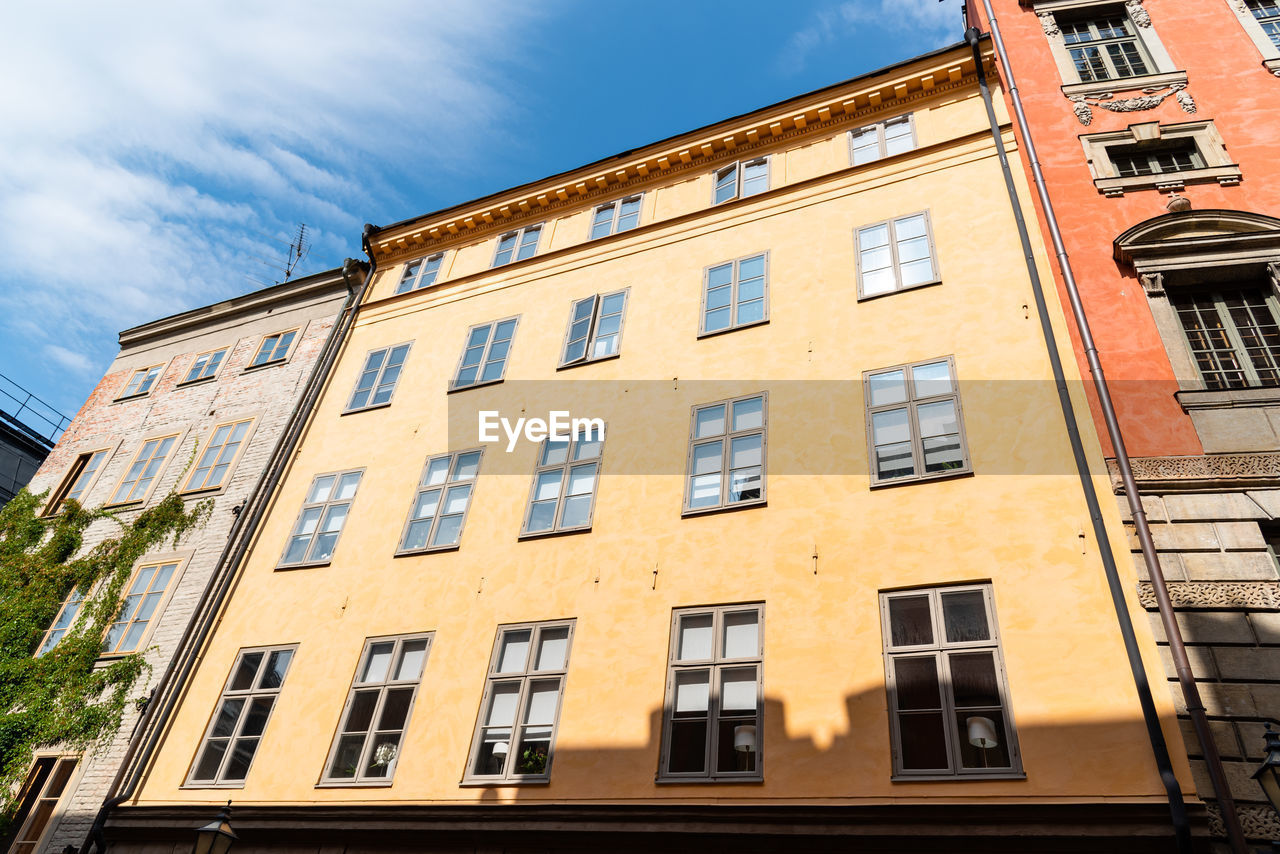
[1199, 238]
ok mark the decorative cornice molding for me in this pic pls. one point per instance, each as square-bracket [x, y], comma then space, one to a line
[1250, 595]
[1200, 472]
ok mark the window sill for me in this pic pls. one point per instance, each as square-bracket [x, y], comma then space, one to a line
[365, 408]
[1228, 176]
[927, 478]
[206, 492]
[1229, 398]
[453, 389]
[726, 508]
[539, 535]
[285, 567]
[704, 781]
[1272, 66]
[201, 381]
[263, 365]
[125, 505]
[895, 291]
[714, 333]
[238, 784]
[481, 783]
[133, 397]
[430, 550]
[1158, 80]
[582, 362]
[354, 784]
[958, 778]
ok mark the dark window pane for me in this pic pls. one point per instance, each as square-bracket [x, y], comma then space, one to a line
[227, 717]
[688, 746]
[277, 664]
[910, 623]
[973, 680]
[917, 683]
[256, 720]
[207, 767]
[982, 740]
[964, 616]
[347, 756]
[924, 741]
[243, 680]
[241, 756]
[395, 709]
[361, 714]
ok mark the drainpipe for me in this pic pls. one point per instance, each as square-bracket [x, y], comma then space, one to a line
[154, 719]
[1178, 650]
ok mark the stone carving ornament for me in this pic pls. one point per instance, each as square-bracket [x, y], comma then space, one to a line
[1151, 97]
[1138, 14]
[1215, 594]
[1049, 24]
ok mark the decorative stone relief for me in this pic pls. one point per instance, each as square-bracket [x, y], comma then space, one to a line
[1258, 821]
[1241, 7]
[1273, 270]
[1049, 24]
[1152, 97]
[1138, 14]
[1215, 467]
[1153, 284]
[1253, 595]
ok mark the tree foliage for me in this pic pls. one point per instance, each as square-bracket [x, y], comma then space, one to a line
[67, 697]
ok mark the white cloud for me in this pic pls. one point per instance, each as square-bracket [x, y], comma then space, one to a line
[147, 146]
[928, 24]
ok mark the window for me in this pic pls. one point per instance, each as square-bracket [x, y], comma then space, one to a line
[316, 534]
[229, 744]
[142, 473]
[1131, 161]
[883, 139]
[219, 455]
[420, 273]
[611, 218]
[564, 485]
[140, 606]
[440, 507]
[948, 698]
[76, 484]
[61, 623]
[741, 179]
[895, 255]
[1234, 335]
[727, 454]
[713, 710]
[517, 245]
[274, 348]
[1149, 155]
[205, 366]
[735, 294]
[378, 379]
[141, 383]
[377, 711]
[521, 704]
[914, 424]
[1104, 47]
[484, 359]
[1267, 14]
[46, 782]
[595, 328]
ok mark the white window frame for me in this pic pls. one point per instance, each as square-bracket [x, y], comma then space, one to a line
[734, 303]
[569, 464]
[1266, 47]
[596, 302]
[451, 482]
[892, 226]
[737, 167]
[519, 235]
[324, 507]
[70, 609]
[379, 378]
[218, 357]
[480, 366]
[428, 272]
[726, 437]
[911, 404]
[1204, 136]
[880, 129]
[1162, 73]
[615, 216]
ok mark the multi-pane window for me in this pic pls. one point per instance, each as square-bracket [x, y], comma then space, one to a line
[614, 217]
[516, 730]
[440, 506]
[142, 381]
[316, 533]
[38, 799]
[244, 708]
[883, 139]
[1179, 157]
[484, 358]
[741, 179]
[727, 454]
[61, 623]
[735, 294]
[895, 255]
[378, 378]
[1267, 12]
[914, 427]
[564, 484]
[712, 727]
[517, 245]
[420, 273]
[1105, 47]
[218, 457]
[77, 481]
[205, 365]
[948, 698]
[274, 348]
[145, 594]
[378, 707]
[595, 328]
[1233, 334]
[142, 472]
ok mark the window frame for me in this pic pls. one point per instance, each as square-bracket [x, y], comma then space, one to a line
[726, 438]
[484, 357]
[78, 466]
[597, 302]
[125, 394]
[177, 438]
[528, 675]
[734, 282]
[738, 166]
[1239, 349]
[179, 564]
[1162, 72]
[23, 817]
[520, 234]
[416, 279]
[941, 648]
[188, 380]
[910, 404]
[419, 488]
[565, 467]
[73, 598]
[616, 204]
[187, 489]
[249, 694]
[378, 379]
[892, 225]
[713, 665]
[358, 781]
[324, 507]
[880, 128]
[290, 349]
[1252, 24]
[1203, 135]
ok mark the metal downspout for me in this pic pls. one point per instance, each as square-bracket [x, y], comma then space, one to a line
[164, 696]
[1177, 649]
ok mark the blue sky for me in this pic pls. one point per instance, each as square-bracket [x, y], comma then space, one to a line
[151, 153]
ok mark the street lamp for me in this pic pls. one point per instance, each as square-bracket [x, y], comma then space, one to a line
[216, 837]
[1268, 775]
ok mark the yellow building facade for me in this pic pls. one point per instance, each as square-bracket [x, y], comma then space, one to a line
[828, 580]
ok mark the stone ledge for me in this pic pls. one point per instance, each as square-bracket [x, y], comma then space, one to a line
[1216, 594]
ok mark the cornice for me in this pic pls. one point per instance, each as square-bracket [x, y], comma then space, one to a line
[862, 100]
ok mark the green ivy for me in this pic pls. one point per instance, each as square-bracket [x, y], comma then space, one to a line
[67, 698]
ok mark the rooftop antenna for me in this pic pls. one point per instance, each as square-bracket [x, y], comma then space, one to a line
[298, 250]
